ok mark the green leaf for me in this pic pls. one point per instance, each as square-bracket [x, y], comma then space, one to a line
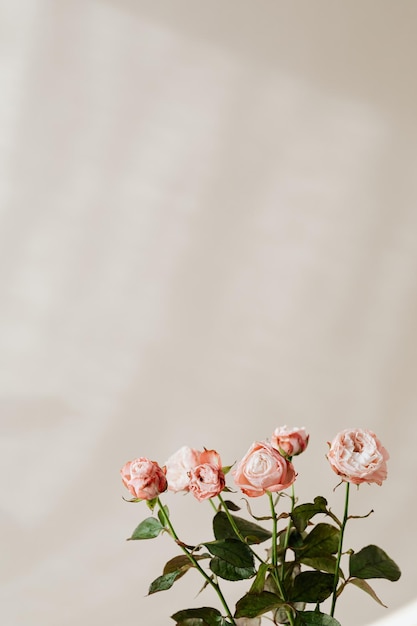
[295, 541]
[322, 563]
[204, 616]
[312, 587]
[231, 505]
[254, 604]
[174, 569]
[148, 529]
[164, 582]
[288, 577]
[252, 533]
[372, 562]
[181, 564]
[233, 551]
[322, 540]
[230, 572]
[314, 618]
[258, 584]
[163, 515]
[303, 513]
[362, 584]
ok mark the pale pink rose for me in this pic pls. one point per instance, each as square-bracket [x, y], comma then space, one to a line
[248, 621]
[178, 468]
[144, 478]
[358, 457]
[290, 441]
[263, 469]
[207, 479]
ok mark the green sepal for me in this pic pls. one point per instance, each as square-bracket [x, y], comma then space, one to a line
[151, 504]
[254, 604]
[252, 533]
[312, 587]
[148, 529]
[314, 618]
[204, 616]
[372, 562]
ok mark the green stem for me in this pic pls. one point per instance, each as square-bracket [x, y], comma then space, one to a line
[236, 529]
[288, 532]
[196, 564]
[213, 505]
[274, 557]
[339, 551]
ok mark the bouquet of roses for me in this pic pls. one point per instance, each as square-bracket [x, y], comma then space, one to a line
[302, 567]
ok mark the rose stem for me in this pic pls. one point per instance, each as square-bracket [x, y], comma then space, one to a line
[274, 545]
[339, 550]
[236, 529]
[274, 556]
[195, 562]
[213, 505]
[287, 534]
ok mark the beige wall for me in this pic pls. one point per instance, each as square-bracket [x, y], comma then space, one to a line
[208, 228]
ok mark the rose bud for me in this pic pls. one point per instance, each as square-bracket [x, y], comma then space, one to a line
[358, 456]
[290, 441]
[144, 478]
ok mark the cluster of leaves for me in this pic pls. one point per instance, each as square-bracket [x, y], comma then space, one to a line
[300, 570]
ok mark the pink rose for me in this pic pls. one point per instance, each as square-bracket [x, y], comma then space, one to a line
[263, 469]
[207, 478]
[144, 478]
[179, 466]
[290, 441]
[358, 457]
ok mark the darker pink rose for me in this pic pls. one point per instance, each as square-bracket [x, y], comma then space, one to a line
[358, 456]
[207, 478]
[144, 478]
[290, 441]
[263, 469]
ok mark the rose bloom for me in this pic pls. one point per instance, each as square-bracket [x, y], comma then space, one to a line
[207, 478]
[248, 621]
[179, 466]
[290, 441]
[263, 469]
[358, 457]
[144, 478]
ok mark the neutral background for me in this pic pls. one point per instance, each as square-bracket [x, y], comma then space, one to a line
[208, 229]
